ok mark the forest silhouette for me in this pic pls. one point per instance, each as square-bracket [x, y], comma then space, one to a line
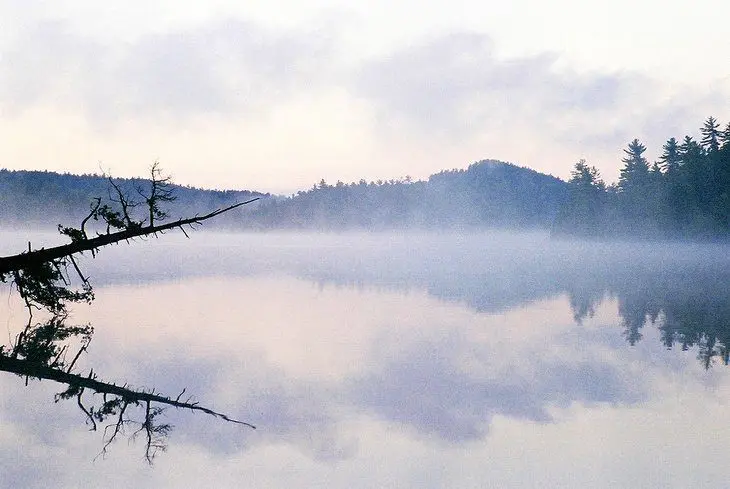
[684, 194]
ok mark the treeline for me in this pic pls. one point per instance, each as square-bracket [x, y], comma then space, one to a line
[685, 193]
[488, 193]
[42, 198]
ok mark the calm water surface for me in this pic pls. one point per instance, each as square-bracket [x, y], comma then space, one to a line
[480, 360]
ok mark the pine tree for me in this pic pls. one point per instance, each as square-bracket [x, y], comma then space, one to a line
[689, 151]
[725, 137]
[710, 135]
[670, 159]
[635, 173]
[586, 177]
[582, 213]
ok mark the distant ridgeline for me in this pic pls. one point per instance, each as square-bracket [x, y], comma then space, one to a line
[487, 194]
[42, 198]
[686, 193]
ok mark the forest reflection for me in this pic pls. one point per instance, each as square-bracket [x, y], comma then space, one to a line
[421, 381]
[690, 308]
[679, 288]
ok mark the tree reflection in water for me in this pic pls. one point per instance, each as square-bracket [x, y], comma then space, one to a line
[690, 308]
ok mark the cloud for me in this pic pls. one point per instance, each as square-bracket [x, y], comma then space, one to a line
[426, 390]
[457, 87]
[453, 85]
[242, 88]
[457, 80]
[246, 386]
[221, 67]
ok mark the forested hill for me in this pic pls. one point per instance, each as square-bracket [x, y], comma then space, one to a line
[487, 194]
[42, 198]
[684, 194]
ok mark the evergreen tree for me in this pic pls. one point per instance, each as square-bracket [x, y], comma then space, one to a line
[583, 211]
[586, 177]
[655, 175]
[686, 192]
[670, 159]
[725, 137]
[710, 135]
[635, 173]
[720, 174]
[689, 151]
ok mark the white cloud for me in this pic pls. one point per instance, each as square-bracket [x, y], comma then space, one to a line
[276, 106]
[220, 68]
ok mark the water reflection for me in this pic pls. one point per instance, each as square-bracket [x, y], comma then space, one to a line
[689, 306]
[386, 361]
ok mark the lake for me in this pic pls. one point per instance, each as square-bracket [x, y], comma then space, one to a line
[464, 360]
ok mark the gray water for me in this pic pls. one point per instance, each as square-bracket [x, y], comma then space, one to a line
[386, 360]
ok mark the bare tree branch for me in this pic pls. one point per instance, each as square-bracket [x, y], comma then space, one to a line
[43, 280]
[27, 368]
[20, 261]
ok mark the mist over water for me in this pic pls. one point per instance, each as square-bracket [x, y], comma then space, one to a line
[488, 359]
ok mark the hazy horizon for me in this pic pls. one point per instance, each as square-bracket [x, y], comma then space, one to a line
[293, 191]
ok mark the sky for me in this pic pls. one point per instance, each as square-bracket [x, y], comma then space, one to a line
[275, 95]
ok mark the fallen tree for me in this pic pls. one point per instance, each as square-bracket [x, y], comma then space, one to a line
[43, 279]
